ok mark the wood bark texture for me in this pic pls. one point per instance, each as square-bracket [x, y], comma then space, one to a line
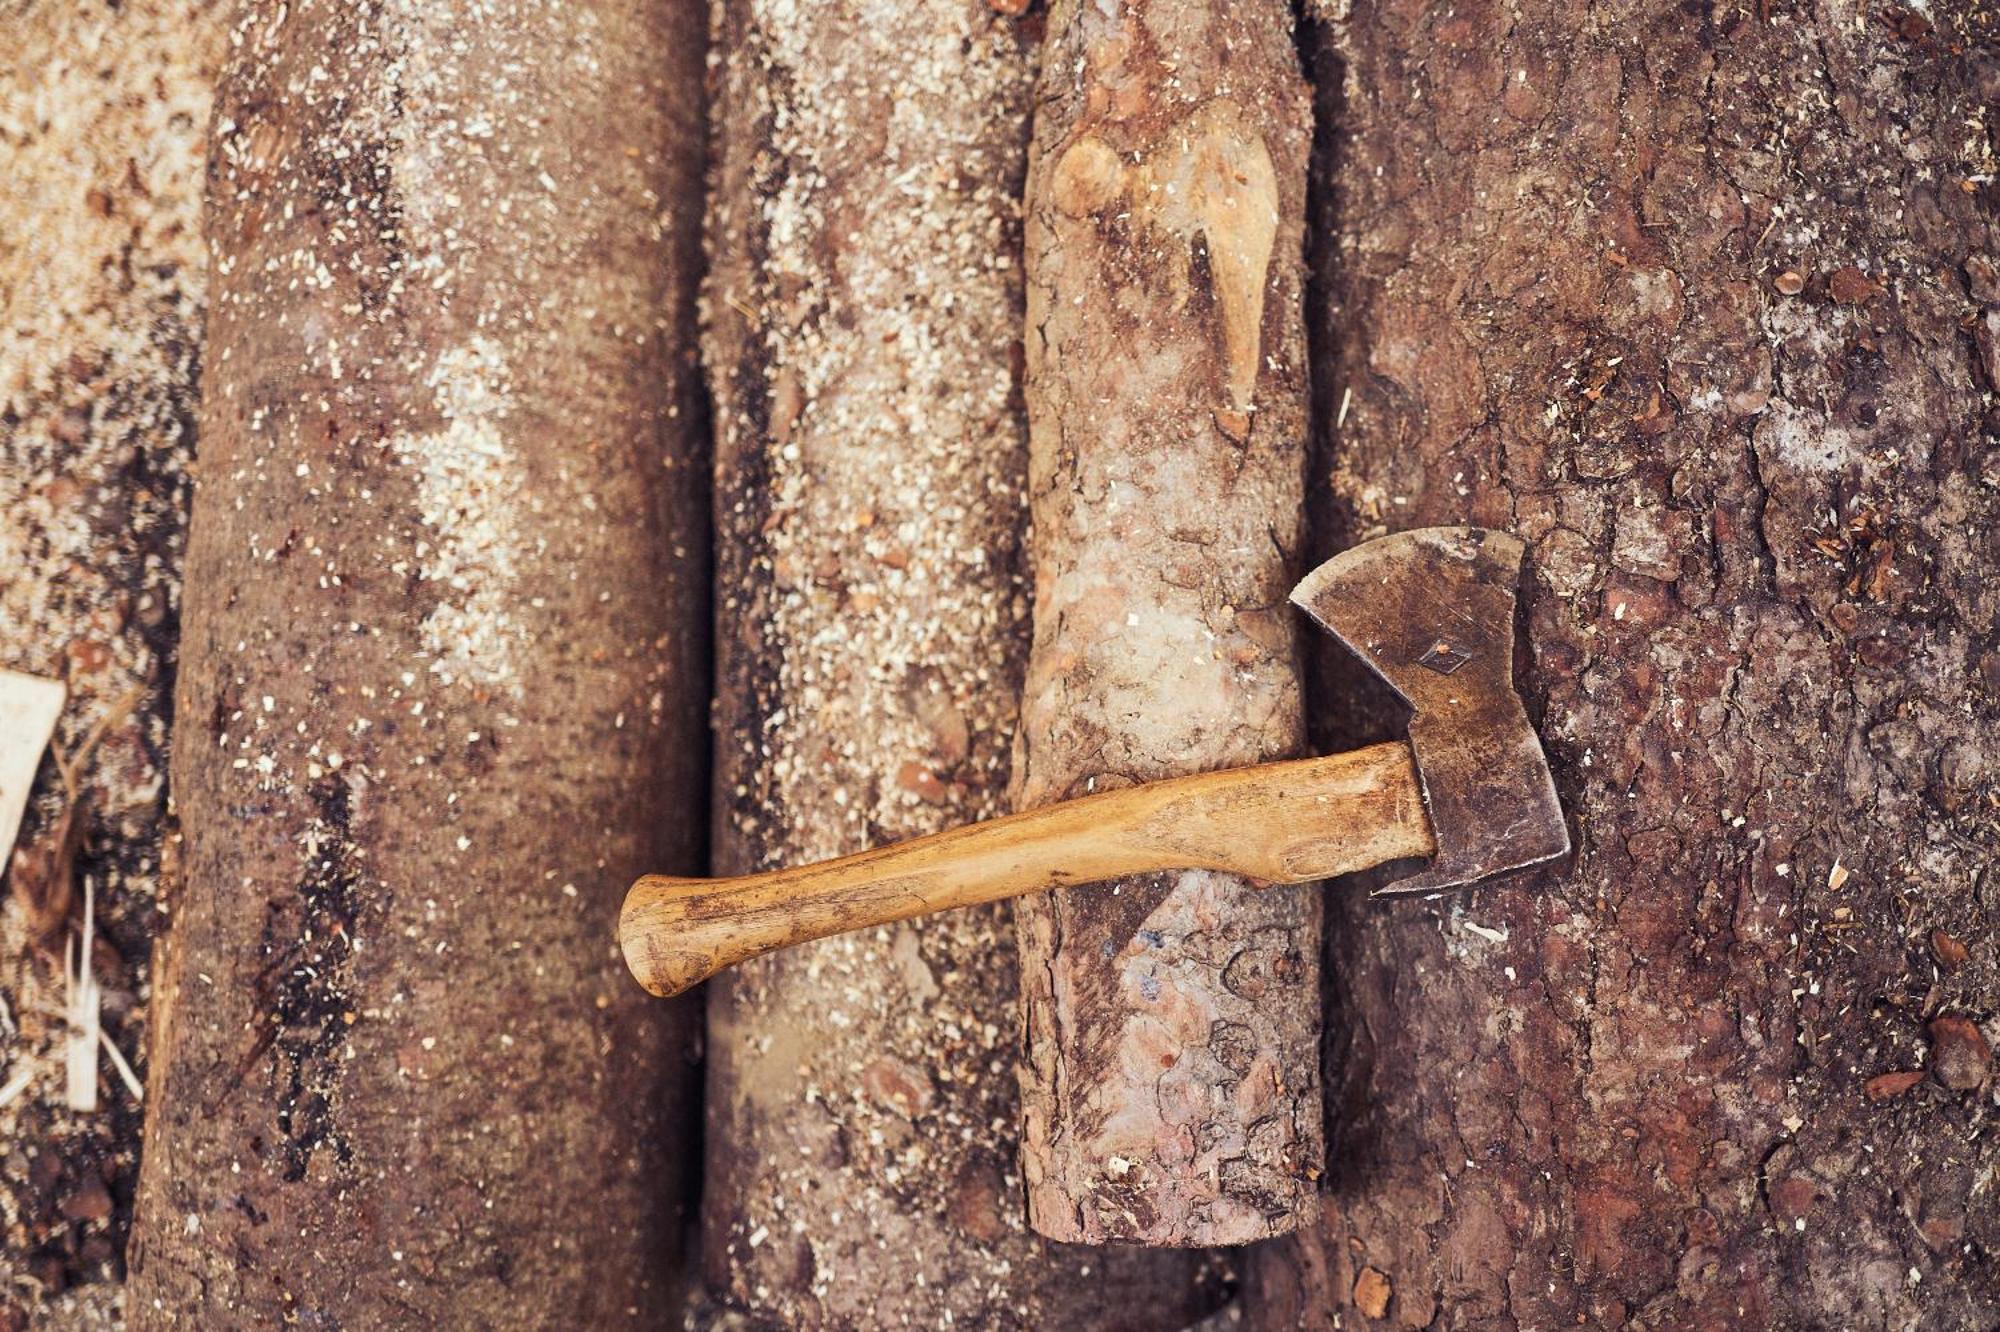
[103, 115]
[441, 677]
[1170, 1085]
[1704, 307]
[864, 310]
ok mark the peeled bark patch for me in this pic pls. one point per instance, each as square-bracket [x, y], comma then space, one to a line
[442, 678]
[1211, 191]
[864, 306]
[1171, 1091]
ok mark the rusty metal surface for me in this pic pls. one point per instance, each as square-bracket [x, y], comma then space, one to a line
[1432, 612]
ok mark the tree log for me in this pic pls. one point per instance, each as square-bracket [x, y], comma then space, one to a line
[441, 680]
[1704, 308]
[864, 306]
[1170, 1090]
[102, 282]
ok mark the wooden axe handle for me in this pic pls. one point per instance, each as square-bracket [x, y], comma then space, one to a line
[1284, 822]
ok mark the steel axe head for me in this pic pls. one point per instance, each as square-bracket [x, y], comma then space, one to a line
[1432, 612]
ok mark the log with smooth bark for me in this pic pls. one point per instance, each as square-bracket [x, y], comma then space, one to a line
[1704, 308]
[442, 678]
[1170, 1087]
[864, 307]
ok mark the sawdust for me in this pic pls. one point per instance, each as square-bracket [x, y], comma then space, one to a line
[103, 113]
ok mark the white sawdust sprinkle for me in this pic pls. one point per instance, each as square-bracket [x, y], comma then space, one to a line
[471, 492]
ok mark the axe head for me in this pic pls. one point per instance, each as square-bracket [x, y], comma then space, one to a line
[1432, 612]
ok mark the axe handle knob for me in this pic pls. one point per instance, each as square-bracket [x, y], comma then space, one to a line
[1288, 822]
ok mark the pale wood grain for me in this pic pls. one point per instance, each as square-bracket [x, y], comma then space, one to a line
[1280, 822]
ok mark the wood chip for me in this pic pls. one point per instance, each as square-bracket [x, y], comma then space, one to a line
[1371, 1292]
[133, 1087]
[1886, 1086]
[1961, 1056]
[1949, 952]
[88, 1201]
[16, 1085]
[29, 707]
[1850, 286]
[82, 1008]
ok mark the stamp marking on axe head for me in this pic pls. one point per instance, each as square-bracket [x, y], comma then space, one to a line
[1430, 611]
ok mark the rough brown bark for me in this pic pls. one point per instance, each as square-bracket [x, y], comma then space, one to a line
[441, 680]
[1701, 305]
[864, 303]
[1170, 1088]
[102, 279]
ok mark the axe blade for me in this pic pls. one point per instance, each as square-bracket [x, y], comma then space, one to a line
[1431, 611]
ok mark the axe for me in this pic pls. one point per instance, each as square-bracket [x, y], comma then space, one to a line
[1430, 611]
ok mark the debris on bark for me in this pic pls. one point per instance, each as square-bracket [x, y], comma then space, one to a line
[442, 677]
[863, 316]
[103, 119]
[1961, 1056]
[1949, 952]
[1888, 1086]
[1850, 286]
[1759, 635]
[1170, 1085]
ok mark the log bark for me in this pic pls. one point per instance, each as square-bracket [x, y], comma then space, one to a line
[1170, 1089]
[1704, 309]
[442, 678]
[864, 308]
[102, 282]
